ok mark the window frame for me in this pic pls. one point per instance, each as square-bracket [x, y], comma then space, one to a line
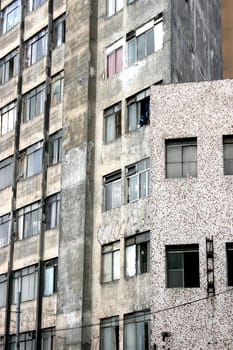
[9, 66]
[133, 40]
[35, 47]
[117, 6]
[33, 103]
[52, 265]
[6, 172]
[227, 140]
[48, 335]
[135, 321]
[11, 8]
[139, 118]
[110, 182]
[138, 241]
[8, 112]
[53, 203]
[55, 148]
[133, 171]
[111, 250]
[28, 163]
[113, 50]
[59, 31]
[5, 221]
[29, 220]
[183, 250]
[229, 259]
[111, 324]
[57, 96]
[114, 112]
[181, 144]
[29, 276]
[26, 339]
[3, 289]
[34, 4]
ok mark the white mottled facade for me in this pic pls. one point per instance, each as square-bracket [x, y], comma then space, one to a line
[191, 281]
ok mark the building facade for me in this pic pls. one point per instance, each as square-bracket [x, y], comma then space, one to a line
[75, 203]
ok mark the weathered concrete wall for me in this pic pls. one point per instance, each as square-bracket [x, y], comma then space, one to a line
[189, 210]
[196, 40]
[227, 35]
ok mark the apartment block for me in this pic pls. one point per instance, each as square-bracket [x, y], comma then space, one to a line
[76, 225]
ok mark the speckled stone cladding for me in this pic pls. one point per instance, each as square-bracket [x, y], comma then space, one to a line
[189, 210]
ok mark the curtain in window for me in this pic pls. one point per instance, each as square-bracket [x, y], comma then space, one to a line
[119, 60]
[111, 64]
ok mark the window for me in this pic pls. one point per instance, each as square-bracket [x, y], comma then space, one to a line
[59, 31]
[112, 190]
[229, 248]
[138, 108]
[228, 154]
[112, 123]
[33, 103]
[25, 280]
[31, 161]
[50, 277]
[138, 177]
[57, 89]
[36, 48]
[4, 229]
[26, 341]
[48, 339]
[109, 333]
[111, 262]
[10, 16]
[137, 254]
[3, 286]
[182, 266]
[55, 148]
[6, 172]
[9, 67]
[8, 114]
[137, 331]
[114, 58]
[29, 220]
[114, 6]
[181, 158]
[33, 4]
[53, 213]
[145, 40]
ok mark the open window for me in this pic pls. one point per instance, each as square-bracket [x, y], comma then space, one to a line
[30, 162]
[137, 254]
[137, 330]
[138, 110]
[29, 220]
[59, 31]
[48, 338]
[229, 249]
[50, 277]
[9, 66]
[109, 333]
[57, 89]
[53, 211]
[183, 266]
[228, 154]
[55, 148]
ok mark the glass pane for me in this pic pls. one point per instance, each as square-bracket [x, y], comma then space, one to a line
[37, 161]
[174, 260]
[150, 42]
[140, 336]
[133, 188]
[108, 196]
[48, 281]
[106, 339]
[228, 167]
[130, 253]
[131, 51]
[119, 5]
[107, 267]
[130, 337]
[110, 128]
[175, 279]
[35, 222]
[111, 7]
[132, 117]
[158, 31]
[189, 154]
[119, 60]
[116, 194]
[116, 265]
[111, 64]
[174, 154]
[142, 258]
[27, 226]
[143, 190]
[189, 169]
[228, 151]
[174, 170]
[141, 47]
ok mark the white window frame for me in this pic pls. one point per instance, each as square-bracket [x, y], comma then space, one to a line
[33, 46]
[114, 6]
[111, 252]
[133, 172]
[4, 229]
[8, 117]
[29, 220]
[12, 9]
[136, 100]
[112, 182]
[112, 49]
[25, 281]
